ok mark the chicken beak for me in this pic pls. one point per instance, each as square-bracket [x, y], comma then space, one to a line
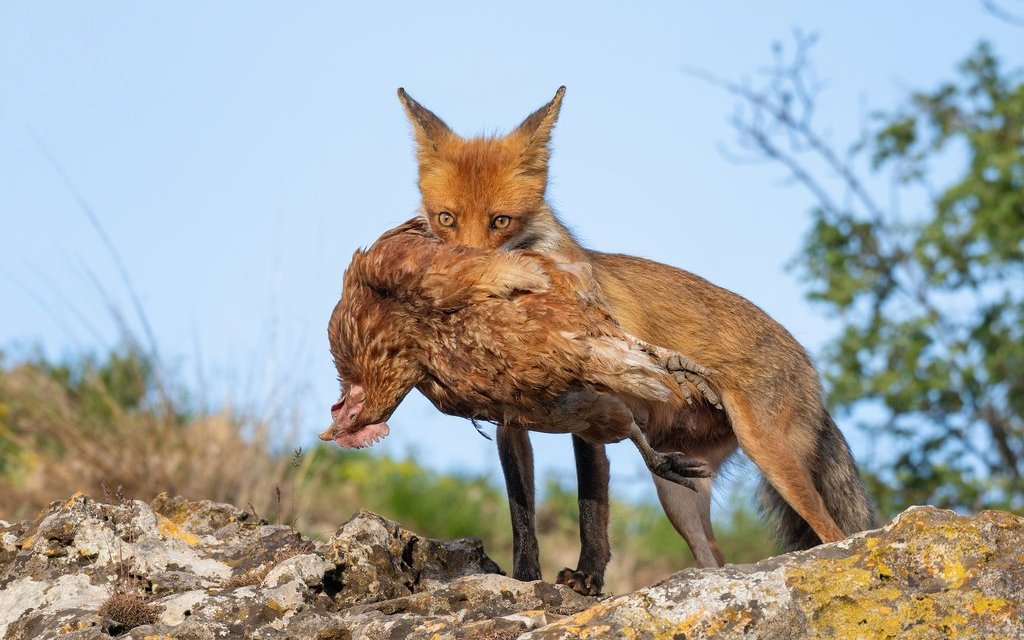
[327, 436]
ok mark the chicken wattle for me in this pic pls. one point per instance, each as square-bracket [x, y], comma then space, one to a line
[345, 428]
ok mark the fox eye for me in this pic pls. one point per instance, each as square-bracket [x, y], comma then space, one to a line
[501, 222]
[446, 219]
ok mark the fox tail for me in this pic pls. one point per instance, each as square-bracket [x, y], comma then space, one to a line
[837, 480]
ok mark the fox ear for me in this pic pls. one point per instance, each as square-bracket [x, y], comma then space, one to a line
[536, 132]
[427, 127]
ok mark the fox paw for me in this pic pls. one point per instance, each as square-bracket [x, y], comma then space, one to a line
[587, 584]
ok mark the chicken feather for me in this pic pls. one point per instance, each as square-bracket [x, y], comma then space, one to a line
[512, 337]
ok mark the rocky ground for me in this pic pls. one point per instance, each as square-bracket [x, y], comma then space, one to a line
[175, 569]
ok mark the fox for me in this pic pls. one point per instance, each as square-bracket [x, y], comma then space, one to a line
[490, 192]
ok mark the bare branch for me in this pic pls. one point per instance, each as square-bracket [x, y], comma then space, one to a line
[773, 152]
[994, 9]
[786, 106]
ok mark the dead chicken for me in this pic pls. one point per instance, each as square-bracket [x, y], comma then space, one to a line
[509, 337]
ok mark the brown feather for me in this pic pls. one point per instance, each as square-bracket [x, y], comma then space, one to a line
[499, 336]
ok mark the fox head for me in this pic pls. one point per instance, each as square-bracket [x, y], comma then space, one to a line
[487, 192]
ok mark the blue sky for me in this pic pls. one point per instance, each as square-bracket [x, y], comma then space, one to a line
[238, 152]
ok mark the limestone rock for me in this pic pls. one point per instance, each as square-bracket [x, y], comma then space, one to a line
[929, 574]
[380, 560]
[212, 571]
[481, 606]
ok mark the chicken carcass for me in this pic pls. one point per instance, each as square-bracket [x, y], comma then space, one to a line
[511, 337]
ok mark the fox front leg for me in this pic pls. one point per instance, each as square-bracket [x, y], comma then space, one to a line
[516, 455]
[595, 549]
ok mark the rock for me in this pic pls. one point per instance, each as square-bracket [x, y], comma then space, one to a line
[179, 607]
[212, 571]
[202, 517]
[484, 606]
[929, 574]
[379, 560]
[66, 604]
[9, 535]
[309, 569]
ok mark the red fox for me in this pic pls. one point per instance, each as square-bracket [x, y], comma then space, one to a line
[489, 192]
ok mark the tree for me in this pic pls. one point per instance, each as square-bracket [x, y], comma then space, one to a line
[916, 244]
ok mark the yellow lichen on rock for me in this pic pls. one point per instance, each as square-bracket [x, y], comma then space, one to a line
[433, 627]
[703, 626]
[1001, 519]
[170, 530]
[848, 602]
[581, 625]
[77, 496]
[277, 607]
[77, 625]
[685, 627]
[929, 574]
[948, 546]
[856, 596]
[583, 619]
[986, 605]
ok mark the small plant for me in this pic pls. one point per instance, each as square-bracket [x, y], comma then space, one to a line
[128, 610]
[292, 519]
[128, 605]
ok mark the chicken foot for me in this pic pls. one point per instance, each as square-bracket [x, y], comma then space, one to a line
[684, 370]
[674, 467]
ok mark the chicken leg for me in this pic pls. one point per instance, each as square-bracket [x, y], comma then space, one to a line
[674, 467]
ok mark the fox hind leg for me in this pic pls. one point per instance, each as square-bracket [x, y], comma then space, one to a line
[690, 511]
[779, 456]
[690, 514]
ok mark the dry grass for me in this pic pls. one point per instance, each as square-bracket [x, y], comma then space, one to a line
[56, 446]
